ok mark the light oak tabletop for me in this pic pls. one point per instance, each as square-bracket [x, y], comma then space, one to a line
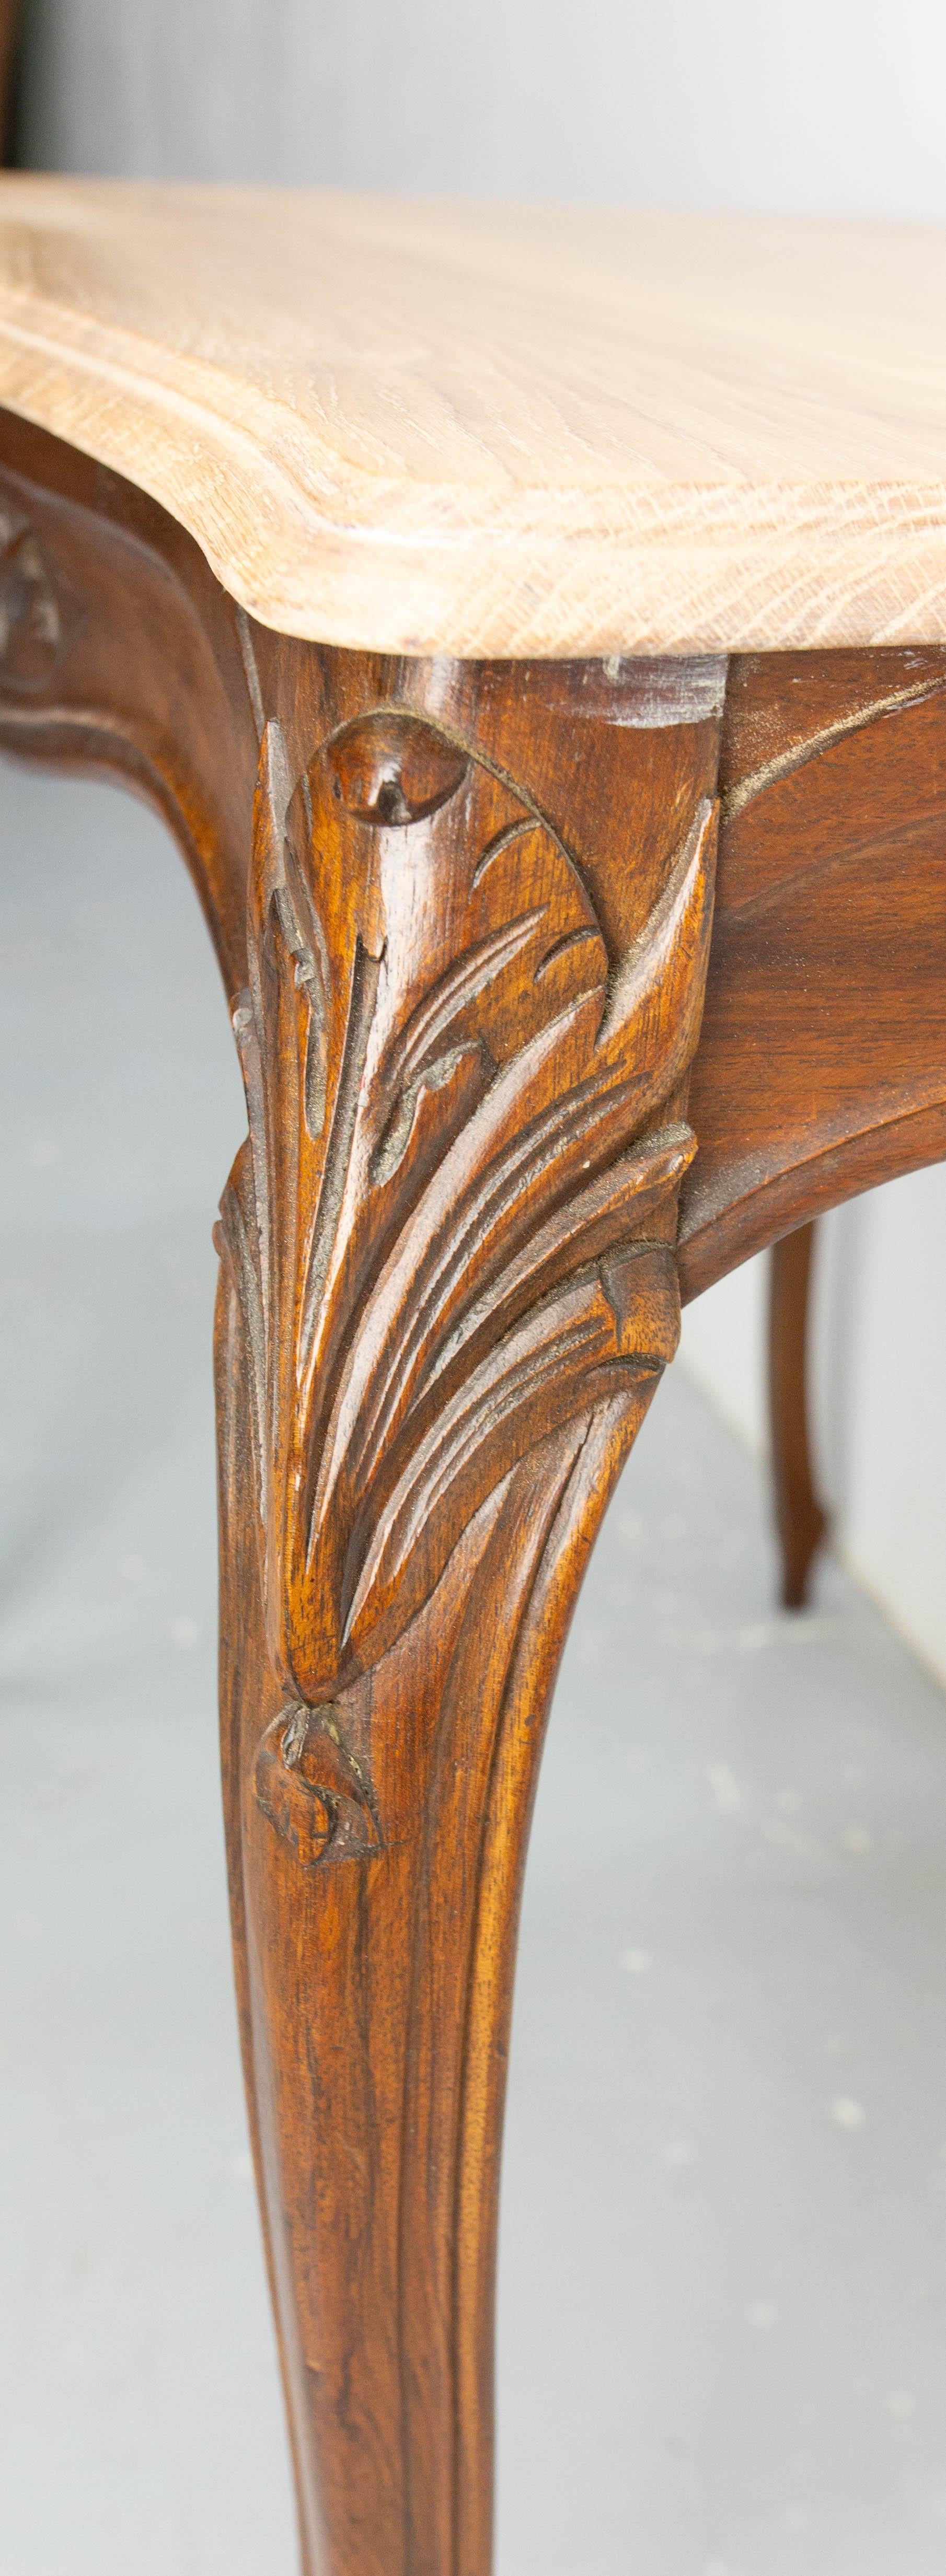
[430, 426]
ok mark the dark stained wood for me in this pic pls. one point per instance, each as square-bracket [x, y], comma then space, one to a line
[448, 1290]
[120, 654]
[822, 1059]
[11, 13]
[799, 1516]
[464, 916]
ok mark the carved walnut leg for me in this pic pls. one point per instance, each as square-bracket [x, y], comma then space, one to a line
[478, 931]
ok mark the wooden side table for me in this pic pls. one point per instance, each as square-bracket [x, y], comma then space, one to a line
[473, 591]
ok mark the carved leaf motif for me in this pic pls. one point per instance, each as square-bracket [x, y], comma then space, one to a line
[438, 1226]
[416, 1064]
[312, 1789]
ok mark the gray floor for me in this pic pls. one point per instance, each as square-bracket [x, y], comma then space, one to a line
[723, 2275]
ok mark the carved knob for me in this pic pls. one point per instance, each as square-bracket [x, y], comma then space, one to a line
[308, 1783]
[31, 626]
[393, 769]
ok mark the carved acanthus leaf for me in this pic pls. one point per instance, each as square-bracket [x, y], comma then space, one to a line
[442, 1225]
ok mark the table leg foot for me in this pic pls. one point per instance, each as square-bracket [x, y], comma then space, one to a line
[800, 1518]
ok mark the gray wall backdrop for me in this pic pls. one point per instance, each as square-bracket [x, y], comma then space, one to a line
[832, 105]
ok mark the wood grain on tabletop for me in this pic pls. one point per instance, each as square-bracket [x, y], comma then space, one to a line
[436, 426]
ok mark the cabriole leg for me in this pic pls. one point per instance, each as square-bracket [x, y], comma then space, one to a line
[478, 926]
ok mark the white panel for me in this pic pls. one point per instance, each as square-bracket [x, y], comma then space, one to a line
[722, 1348]
[892, 1526]
[739, 105]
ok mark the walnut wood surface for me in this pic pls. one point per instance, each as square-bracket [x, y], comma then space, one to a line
[438, 427]
[464, 912]
[799, 1516]
[11, 12]
[822, 1061]
[448, 1291]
